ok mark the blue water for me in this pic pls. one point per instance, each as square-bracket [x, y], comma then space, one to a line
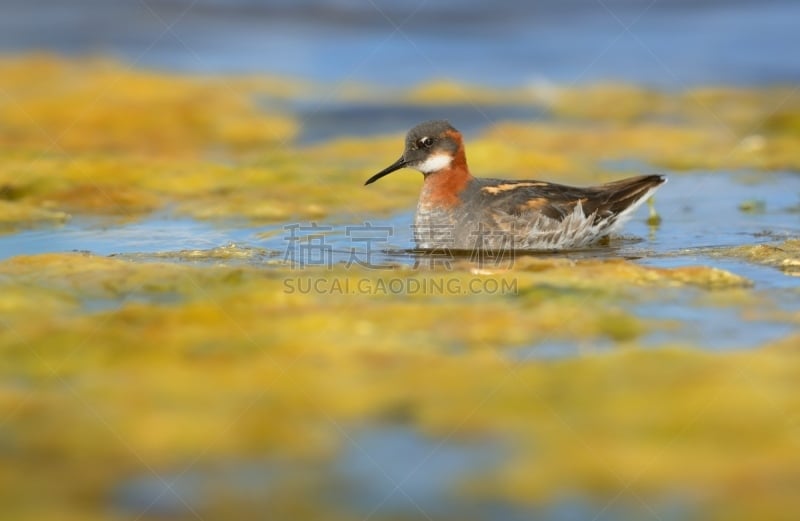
[700, 211]
[381, 472]
[668, 43]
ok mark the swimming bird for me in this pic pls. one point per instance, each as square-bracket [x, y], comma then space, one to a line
[460, 212]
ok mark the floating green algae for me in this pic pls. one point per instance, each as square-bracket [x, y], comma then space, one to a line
[784, 256]
[244, 364]
[53, 105]
[753, 206]
[14, 214]
[220, 254]
[99, 138]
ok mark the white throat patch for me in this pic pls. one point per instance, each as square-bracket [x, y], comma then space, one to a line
[434, 163]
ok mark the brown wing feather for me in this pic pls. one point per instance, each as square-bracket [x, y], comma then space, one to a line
[557, 201]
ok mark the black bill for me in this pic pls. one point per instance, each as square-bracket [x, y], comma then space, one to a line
[397, 165]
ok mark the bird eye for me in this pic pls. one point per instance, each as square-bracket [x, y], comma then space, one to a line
[425, 142]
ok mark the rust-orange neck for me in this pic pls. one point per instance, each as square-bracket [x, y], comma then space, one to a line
[443, 187]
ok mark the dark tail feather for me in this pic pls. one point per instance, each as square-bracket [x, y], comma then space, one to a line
[613, 198]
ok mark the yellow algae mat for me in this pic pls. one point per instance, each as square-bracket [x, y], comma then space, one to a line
[98, 137]
[185, 369]
[240, 388]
